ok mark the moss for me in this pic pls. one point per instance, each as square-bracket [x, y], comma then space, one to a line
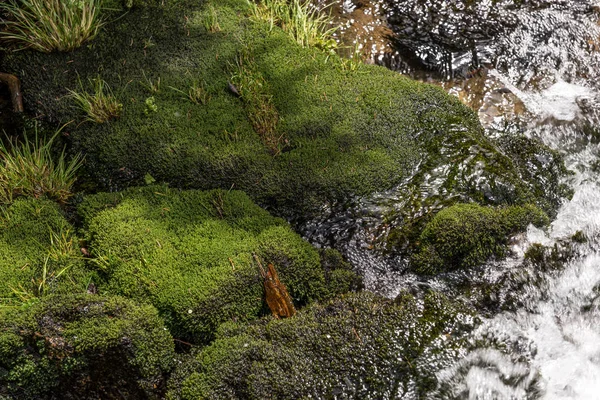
[339, 274]
[39, 253]
[190, 254]
[360, 346]
[83, 346]
[555, 257]
[466, 235]
[338, 133]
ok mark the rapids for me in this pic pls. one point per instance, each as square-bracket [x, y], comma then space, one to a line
[526, 66]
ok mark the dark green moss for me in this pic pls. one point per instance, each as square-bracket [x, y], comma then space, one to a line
[552, 258]
[466, 235]
[85, 346]
[339, 274]
[190, 253]
[39, 253]
[345, 132]
[360, 346]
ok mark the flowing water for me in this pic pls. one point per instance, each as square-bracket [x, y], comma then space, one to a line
[534, 66]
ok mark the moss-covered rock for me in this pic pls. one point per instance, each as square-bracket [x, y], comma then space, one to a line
[334, 132]
[83, 347]
[466, 235]
[360, 346]
[39, 253]
[190, 253]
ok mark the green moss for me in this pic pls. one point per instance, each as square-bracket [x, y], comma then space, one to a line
[466, 235]
[360, 346]
[39, 253]
[190, 254]
[83, 346]
[339, 274]
[338, 133]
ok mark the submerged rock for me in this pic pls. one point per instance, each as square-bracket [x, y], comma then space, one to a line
[466, 235]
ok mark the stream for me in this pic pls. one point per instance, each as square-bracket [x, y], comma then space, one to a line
[530, 67]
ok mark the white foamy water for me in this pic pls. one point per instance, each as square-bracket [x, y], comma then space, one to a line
[549, 348]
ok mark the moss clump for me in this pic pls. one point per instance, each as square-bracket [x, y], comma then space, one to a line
[339, 274]
[83, 347]
[466, 235]
[39, 253]
[360, 346]
[190, 253]
[326, 133]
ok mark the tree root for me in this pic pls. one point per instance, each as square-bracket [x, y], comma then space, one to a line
[15, 91]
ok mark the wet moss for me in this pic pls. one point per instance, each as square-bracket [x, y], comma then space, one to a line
[466, 235]
[339, 274]
[190, 253]
[39, 252]
[359, 346]
[344, 132]
[83, 346]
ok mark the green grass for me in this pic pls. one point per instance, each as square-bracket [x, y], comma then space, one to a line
[101, 105]
[49, 25]
[211, 20]
[28, 169]
[300, 19]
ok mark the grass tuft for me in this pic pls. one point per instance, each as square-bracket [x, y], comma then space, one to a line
[300, 19]
[260, 107]
[29, 170]
[101, 106]
[49, 25]
[211, 20]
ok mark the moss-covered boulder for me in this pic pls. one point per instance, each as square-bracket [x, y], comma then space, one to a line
[466, 235]
[359, 346]
[83, 347]
[39, 253]
[190, 253]
[307, 131]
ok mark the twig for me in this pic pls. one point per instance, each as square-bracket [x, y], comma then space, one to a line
[181, 341]
[14, 86]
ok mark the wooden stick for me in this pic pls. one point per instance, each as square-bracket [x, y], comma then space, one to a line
[15, 91]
